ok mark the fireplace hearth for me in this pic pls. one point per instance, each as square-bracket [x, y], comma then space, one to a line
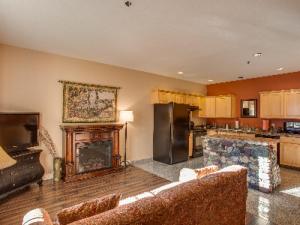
[90, 150]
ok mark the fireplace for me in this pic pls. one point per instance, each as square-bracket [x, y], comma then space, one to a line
[92, 156]
[90, 150]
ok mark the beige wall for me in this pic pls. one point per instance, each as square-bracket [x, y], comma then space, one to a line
[29, 82]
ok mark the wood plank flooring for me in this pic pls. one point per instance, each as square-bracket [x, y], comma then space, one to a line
[54, 197]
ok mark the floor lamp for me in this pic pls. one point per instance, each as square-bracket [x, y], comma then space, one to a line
[126, 116]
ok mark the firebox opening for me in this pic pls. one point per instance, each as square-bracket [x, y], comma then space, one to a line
[93, 156]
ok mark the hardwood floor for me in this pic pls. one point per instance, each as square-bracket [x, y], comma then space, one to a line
[54, 197]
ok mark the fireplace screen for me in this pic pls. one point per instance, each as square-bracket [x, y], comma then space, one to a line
[93, 156]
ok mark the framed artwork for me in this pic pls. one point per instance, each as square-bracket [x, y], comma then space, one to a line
[89, 103]
[248, 108]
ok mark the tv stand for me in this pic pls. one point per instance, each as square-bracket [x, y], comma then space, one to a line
[26, 171]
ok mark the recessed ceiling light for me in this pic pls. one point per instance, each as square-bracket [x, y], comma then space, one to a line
[128, 3]
[210, 80]
[257, 54]
[280, 68]
[180, 72]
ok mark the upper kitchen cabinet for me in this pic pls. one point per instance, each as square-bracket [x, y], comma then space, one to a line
[225, 106]
[271, 104]
[218, 106]
[292, 104]
[164, 97]
[208, 106]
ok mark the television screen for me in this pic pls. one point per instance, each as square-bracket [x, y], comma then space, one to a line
[18, 130]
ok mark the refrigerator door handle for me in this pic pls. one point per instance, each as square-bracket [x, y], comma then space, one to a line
[171, 144]
[171, 134]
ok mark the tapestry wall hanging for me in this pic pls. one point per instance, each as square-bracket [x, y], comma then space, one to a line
[89, 103]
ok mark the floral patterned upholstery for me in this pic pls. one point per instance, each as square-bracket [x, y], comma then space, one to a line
[218, 198]
[88, 209]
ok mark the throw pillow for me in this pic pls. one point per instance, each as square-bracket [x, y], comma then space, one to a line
[206, 170]
[187, 174]
[88, 209]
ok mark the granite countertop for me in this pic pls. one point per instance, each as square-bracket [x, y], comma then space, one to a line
[290, 135]
[256, 140]
[254, 132]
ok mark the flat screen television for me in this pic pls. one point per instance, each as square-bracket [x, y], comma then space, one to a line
[19, 131]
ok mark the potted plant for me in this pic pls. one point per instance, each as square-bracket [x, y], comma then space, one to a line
[46, 139]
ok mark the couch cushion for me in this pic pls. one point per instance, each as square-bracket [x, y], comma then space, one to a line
[87, 209]
[37, 216]
[218, 198]
[146, 211]
[187, 174]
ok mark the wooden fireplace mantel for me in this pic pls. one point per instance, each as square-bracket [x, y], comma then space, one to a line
[75, 134]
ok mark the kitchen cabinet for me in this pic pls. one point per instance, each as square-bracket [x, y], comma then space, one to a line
[164, 97]
[290, 151]
[271, 104]
[222, 106]
[208, 107]
[193, 100]
[292, 104]
[225, 106]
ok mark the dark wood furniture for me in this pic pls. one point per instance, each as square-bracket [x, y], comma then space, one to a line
[78, 135]
[26, 171]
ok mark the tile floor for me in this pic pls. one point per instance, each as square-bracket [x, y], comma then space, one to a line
[281, 207]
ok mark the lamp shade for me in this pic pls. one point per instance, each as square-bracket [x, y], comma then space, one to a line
[5, 159]
[126, 116]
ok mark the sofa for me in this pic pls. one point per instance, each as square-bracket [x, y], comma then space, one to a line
[215, 198]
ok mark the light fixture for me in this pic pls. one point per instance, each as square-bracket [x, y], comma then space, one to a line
[5, 159]
[257, 54]
[280, 68]
[128, 3]
[126, 116]
[180, 72]
[210, 80]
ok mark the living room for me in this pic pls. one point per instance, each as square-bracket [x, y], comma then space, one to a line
[232, 68]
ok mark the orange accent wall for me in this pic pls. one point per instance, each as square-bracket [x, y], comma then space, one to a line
[249, 89]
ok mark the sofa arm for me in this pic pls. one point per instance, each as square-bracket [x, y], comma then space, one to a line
[37, 217]
[187, 174]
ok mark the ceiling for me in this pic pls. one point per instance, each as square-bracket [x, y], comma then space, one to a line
[205, 39]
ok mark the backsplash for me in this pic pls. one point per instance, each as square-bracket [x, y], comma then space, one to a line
[247, 122]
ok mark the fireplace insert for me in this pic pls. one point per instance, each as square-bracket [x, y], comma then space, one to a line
[93, 156]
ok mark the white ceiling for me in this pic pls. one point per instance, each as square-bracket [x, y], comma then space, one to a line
[206, 39]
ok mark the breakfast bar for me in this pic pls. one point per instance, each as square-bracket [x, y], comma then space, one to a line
[259, 155]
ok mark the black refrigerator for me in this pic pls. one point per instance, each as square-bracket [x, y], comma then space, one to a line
[171, 133]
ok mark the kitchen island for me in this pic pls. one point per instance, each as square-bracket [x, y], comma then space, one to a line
[259, 155]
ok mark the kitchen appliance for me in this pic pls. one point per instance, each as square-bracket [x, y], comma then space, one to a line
[198, 137]
[292, 127]
[171, 132]
[268, 135]
[236, 124]
[265, 125]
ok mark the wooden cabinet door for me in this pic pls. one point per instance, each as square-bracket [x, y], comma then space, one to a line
[180, 99]
[207, 107]
[210, 107]
[194, 100]
[271, 105]
[292, 104]
[290, 154]
[163, 97]
[223, 107]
